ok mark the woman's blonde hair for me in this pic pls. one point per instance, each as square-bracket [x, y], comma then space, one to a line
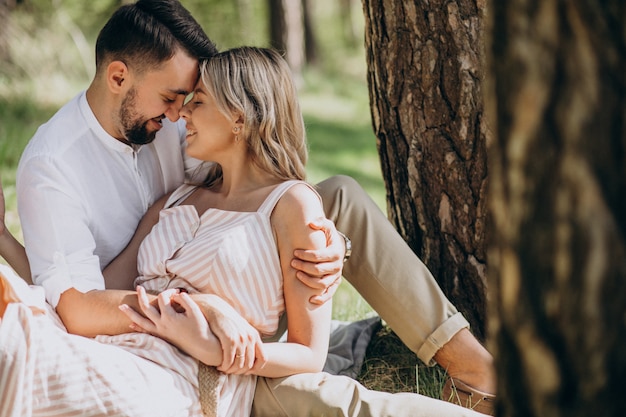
[257, 83]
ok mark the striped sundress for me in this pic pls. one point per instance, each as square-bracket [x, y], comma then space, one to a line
[227, 253]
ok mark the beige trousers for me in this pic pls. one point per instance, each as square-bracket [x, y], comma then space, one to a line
[392, 279]
[386, 272]
[321, 394]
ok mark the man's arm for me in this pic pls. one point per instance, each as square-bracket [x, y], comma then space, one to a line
[96, 312]
[75, 307]
[59, 238]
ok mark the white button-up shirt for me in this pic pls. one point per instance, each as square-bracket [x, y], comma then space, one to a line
[81, 194]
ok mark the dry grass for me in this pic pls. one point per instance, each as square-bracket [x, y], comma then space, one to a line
[391, 367]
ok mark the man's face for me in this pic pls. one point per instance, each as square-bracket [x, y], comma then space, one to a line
[155, 95]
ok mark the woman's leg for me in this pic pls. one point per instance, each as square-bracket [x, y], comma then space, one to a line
[43, 369]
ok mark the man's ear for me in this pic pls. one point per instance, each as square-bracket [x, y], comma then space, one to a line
[118, 77]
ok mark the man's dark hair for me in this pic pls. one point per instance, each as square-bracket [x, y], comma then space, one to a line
[147, 33]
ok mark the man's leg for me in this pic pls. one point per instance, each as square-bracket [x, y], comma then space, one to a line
[322, 394]
[386, 272]
[395, 282]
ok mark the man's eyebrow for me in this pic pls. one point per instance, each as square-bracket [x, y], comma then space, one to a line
[179, 92]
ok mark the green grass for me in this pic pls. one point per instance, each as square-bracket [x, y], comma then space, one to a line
[19, 119]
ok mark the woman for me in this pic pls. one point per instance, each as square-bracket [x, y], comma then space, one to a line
[233, 234]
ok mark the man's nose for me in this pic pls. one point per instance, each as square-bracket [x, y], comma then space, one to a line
[172, 113]
[174, 108]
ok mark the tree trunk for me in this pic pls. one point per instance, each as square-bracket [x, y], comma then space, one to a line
[310, 41]
[557, 97]
[287, 32]
[424, 73]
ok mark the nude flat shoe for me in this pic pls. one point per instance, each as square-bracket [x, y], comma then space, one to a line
[457, 392]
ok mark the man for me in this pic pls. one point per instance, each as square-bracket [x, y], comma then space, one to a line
[90, 173]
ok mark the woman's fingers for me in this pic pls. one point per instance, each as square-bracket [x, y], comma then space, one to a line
[139, 322]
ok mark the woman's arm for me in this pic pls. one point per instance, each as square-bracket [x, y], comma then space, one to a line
[10, 249]
[309, 324]
[179, 319]
[122, 271]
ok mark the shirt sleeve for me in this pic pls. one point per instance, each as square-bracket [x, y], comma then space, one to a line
[55, 223]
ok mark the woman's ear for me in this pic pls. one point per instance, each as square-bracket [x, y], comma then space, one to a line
[117, 77]
[239, 121]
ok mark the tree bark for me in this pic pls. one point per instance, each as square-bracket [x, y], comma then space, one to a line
[556, 97]
[424, 74]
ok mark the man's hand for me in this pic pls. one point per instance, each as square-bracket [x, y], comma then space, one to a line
[321, 269]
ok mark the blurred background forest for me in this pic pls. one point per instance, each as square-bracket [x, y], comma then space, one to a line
[46, 57]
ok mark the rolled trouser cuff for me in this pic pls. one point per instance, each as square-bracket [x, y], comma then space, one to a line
[442, 335]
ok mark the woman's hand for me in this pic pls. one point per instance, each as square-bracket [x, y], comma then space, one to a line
[242, 346]
[176, 318]
[321, 269]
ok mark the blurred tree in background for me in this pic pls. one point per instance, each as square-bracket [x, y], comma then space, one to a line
[52, 41]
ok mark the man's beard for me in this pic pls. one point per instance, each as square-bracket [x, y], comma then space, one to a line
[135, 131]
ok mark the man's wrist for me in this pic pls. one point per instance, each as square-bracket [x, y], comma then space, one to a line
[348, 245]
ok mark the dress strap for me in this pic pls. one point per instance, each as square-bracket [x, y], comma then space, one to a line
[270, 202]
[179, 195]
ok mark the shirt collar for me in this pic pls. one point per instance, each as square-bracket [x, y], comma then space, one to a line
[98, 130]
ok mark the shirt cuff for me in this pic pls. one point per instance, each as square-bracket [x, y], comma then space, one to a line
[63, 275]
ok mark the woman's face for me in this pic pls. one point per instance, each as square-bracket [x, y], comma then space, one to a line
[209, 131]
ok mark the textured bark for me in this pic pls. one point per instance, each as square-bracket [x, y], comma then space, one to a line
[557, 94]
[424, 73]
